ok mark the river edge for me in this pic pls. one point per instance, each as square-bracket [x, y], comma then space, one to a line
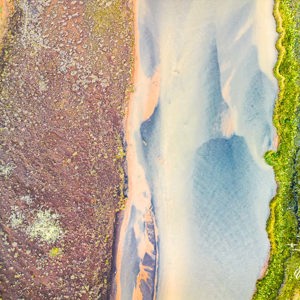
[138, 192]
[121, 216]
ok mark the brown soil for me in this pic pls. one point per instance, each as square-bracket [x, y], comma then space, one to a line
[66, 69]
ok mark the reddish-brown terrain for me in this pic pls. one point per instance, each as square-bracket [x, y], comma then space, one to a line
[65, 77]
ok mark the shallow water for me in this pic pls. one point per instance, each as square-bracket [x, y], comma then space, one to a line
[199, 188]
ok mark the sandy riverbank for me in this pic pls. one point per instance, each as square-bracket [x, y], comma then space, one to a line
[139, 196]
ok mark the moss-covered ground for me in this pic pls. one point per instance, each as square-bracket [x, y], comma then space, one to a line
[281, 280]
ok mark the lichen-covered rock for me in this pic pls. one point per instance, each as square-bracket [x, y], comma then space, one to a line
[45, 227]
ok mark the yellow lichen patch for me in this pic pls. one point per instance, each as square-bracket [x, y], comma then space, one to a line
[120, 151]
[54, 252]
[107, 14]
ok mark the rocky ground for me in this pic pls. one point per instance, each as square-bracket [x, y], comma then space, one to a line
[65, 77]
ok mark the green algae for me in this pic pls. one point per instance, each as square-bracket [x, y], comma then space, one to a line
[280, 280]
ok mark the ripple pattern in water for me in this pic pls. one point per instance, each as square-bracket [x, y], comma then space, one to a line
[202, 148]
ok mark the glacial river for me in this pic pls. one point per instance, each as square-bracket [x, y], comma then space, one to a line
[198, 124]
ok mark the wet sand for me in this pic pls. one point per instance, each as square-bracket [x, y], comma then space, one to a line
[139, 196]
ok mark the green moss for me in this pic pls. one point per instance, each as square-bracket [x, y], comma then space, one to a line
[107, 15]
[271, 157]
[279, 281]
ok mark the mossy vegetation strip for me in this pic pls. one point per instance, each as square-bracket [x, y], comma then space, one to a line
[281, 278]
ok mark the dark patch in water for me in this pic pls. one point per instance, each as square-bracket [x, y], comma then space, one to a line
[148, 260]
[130, 265]
[214, 96]
[148, 51]
[221, 169]
[226, 189]
[150, 138]
[147, 290]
